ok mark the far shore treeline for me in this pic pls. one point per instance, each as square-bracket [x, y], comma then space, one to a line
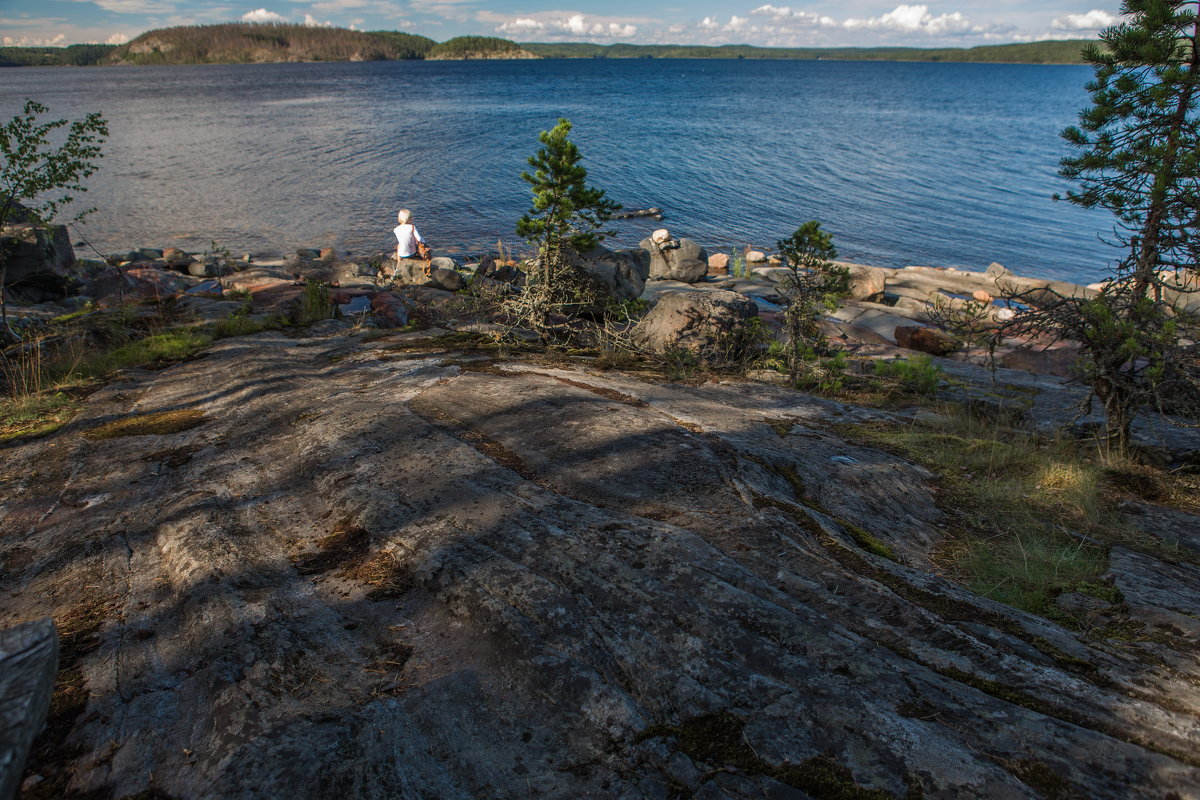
[247, 43]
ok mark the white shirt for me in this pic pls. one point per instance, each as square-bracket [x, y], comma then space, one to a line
[406, 239]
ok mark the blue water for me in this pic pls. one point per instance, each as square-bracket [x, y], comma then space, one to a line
[938, 164]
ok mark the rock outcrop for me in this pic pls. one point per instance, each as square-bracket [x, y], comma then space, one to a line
[314, 567]
[675, 259]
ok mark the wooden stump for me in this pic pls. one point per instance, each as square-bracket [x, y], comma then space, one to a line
[28, 665]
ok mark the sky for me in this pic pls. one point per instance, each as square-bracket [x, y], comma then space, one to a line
[828, 23]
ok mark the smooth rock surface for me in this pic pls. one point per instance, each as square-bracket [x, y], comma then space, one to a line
[369, 570]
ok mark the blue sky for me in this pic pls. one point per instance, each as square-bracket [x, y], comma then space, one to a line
[959, 23]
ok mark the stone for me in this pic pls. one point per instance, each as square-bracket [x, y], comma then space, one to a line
[390, 310]
[866, 283]
[443, 262]
[926, 340]
[174, 257]
[678, 260]
[38, 257]
[1059, 360]
[327, 253]
[284, 299]
[698, 322]
[28, 666]
[997, 271]
[622, 272]
[139, 284]
[203, 269]
[755, 257]
[982, 296]
[208, 309]
[718, 261]
[412, 271]
[660, 236]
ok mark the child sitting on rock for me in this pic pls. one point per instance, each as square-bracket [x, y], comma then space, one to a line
[409, 243]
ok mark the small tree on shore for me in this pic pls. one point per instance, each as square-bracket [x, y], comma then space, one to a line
[565, 220]
[1137, 155]
[566, 211]
[40, 178]
[812, 287]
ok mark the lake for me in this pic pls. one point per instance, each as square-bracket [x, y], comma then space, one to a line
[905, 163]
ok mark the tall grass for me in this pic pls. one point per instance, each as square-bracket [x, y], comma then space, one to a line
[1027, 516]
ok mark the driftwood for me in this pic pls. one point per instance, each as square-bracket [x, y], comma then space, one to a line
[28, 664]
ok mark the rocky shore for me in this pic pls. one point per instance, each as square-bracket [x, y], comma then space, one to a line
[356, 560]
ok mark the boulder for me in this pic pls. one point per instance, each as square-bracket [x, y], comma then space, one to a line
[443, 262]
[926, 340]
[755, 257]
[277, 298]
[353, 272]
[866, 283]
[174, 257]
[38, 256]
[412, 271]
[676, 259]
[623, 272]
[693, 321]
[1059, 361]
[257, 278]
[390, 311]
[115, 287]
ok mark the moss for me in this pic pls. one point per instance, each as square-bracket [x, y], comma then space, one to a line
[782, 427]
[160, 424]
[718, 739]
[867, 541]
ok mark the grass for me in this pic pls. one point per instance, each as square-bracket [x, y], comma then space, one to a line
[31, 416]
[1017, 505]
[46, 375]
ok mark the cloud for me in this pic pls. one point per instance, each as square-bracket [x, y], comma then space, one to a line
[117, 38]
[563, 25]
[787, 15]
[262, 15]
[709, 24]
[312, 22]
[33, 41]
[1093, 20]
[914, 19]
[136, 6]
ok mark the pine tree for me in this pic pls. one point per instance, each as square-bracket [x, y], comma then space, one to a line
[1137, 155]
[566, 211]
[812, 286]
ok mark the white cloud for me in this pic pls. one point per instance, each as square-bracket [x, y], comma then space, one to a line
[736, 23]
[1093, 20]
[312, 22]
[262, 15]
[709, 24]
[787, 15]
[914, 19]
[521, 25]
[33, 41]
[136, 6]
[563, 25]
[117, 38]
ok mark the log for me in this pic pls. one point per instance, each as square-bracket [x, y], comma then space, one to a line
[28, 666]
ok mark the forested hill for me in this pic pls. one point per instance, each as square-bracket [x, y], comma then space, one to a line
[248, 43]
[241, 43]
[1048, 52]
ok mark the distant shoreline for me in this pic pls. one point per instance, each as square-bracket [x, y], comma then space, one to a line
[271, 44]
